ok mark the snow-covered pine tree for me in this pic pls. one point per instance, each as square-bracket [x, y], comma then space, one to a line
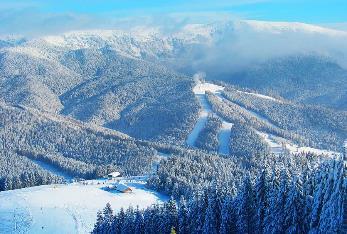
[170, 214]
[108, 218]
[307, 189]
[138, 222]
[331, 217]
[118, 221]
[212, 215]
[318, 195]
[99, 222]
[246, 208]
[227, 216]
[273, 192]
[261, 200]
[183, 222]
[129, 222]
[293, 208]
[197, 212]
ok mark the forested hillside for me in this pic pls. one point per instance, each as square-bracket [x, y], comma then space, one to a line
[100, 86]
[309, 79]
[73, 146]
[274, 202]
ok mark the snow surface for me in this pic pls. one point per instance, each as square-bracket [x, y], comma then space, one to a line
[69, 208]
[278, 145]
[200, 90]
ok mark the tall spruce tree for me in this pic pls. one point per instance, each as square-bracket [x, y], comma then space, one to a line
[246, 208]
[138, 223]
[183, 221]
[261, 200]
[212, 215]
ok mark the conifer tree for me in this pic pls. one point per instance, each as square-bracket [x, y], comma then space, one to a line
[99, 222]
[293, 208]
[261, 196]
[246, 210]
[227, 217]
[139, 225]
[211, 223]
[183, 222]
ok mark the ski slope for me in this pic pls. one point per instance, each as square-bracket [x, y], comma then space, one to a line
[277, 145]
[260, 96]
[66, 208]
[52, 169]
[200, 90]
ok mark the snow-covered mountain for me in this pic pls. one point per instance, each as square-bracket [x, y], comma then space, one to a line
[141, 42]
[190, 109]
[116, 78]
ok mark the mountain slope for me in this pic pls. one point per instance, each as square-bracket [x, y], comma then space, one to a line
[305, 79]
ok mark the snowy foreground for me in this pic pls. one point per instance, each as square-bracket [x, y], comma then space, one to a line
[69, 208]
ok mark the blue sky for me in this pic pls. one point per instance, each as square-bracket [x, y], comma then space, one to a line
[49, 16]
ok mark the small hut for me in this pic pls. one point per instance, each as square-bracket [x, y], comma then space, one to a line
[123, 188]
[113, 175]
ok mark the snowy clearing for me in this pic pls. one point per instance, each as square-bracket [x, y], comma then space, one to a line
[69, 208]
[278, 145]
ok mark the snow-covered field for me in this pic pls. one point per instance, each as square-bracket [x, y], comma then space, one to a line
[66, 208]
[278, 145]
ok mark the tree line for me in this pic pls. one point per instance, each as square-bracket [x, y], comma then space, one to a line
[274, 202]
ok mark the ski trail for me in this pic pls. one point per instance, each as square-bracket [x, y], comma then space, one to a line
[200, 124]
[53, 169]
[200, 90]
[223, 138]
